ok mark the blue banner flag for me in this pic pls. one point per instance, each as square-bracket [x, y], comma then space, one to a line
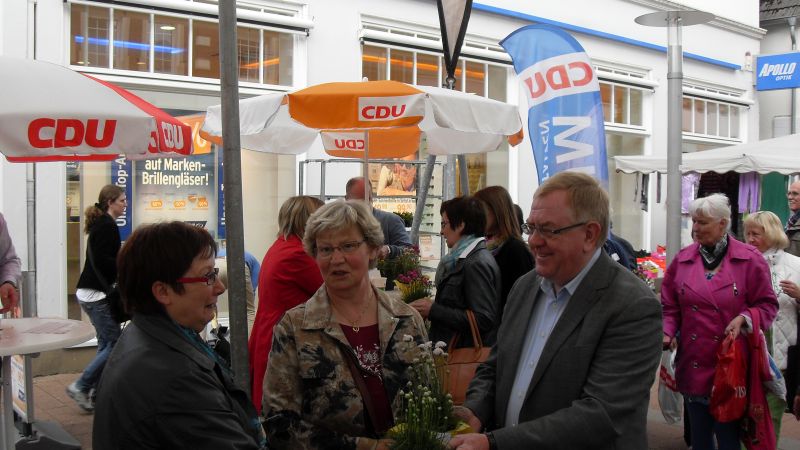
[565, 115]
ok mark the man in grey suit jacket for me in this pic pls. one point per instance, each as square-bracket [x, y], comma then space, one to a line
[395, 236]
[580, 341]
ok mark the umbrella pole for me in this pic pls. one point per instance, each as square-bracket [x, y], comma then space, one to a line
[462, 165]
[367, 190]
[234, 221]
[422, 196]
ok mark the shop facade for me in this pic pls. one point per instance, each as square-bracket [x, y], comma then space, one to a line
[166, 52]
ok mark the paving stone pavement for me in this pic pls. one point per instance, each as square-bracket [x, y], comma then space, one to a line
[53, 404]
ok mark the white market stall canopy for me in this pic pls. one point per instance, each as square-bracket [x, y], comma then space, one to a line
[781, 155]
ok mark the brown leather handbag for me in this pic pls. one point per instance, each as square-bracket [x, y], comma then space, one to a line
[462, 362]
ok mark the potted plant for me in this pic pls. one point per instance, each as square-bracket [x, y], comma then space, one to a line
[413, 285]
[390, 268]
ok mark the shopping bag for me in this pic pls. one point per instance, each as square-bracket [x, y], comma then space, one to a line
[669, 399]
[729, 391]
[758, 432]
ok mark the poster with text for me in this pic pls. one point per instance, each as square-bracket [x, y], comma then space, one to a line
[177, 189]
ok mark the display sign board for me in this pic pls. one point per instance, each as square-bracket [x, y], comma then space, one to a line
[777, 71]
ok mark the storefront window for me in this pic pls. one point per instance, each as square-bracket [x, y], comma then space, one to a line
[131, 41]
[621, 104]
[711, 118]
[498, 78]
[476, 76]
[247, 40]
[636, 106]
[687, 115]
[90, 36]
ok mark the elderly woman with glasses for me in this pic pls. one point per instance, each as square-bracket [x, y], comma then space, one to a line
[338, 361]
[467, 277]
[162, 386]
[708, 293]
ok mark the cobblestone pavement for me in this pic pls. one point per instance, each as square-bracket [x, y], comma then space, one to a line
[53, 404]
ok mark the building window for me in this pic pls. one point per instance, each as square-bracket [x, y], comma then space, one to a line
[622, 105]
[144, 41]
[709, 118]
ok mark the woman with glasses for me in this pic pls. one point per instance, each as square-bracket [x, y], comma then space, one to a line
[97, 278]
[504, 240]
[163, 386]
[467, 277]
[289, 276]
[338, 361]
[706, 295]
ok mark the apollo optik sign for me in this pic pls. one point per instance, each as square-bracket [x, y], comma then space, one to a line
[778, 71]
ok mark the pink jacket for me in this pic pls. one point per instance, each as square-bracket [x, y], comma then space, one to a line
[701, 309]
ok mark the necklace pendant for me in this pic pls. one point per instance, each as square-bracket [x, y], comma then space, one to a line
[355, 329]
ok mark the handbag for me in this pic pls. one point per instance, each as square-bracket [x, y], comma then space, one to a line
[669, 399]
[758, 432]
[115, 305]
[729, 391]
[462, 362]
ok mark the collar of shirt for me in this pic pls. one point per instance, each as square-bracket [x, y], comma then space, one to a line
[548, 285]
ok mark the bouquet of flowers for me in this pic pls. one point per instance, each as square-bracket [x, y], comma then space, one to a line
[424, 410]
[407, 260]
[413, 285]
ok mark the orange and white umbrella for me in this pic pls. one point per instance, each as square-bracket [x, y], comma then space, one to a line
[52, 113]
[378, 119]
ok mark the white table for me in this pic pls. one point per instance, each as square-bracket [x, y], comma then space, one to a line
[27, 336]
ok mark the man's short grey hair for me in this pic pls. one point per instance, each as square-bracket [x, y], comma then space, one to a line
[340, 215]
[715, 206]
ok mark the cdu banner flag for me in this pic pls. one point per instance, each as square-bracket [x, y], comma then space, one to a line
[565, 116]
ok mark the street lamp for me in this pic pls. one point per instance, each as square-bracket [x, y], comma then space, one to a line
[674, 20]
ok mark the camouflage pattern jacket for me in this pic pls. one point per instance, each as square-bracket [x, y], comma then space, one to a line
[311, 400]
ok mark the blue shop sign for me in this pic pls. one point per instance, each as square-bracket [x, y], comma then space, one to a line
[778, 72]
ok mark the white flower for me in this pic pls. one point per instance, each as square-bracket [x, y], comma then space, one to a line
[407, 338]
[440, 344]
[438, 352]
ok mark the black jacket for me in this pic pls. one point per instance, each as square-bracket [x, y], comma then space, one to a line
[104, 243]
[159, 391]
[514, 258]
[473, 284]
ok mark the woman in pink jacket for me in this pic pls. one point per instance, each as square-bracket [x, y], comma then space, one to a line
[706, 293]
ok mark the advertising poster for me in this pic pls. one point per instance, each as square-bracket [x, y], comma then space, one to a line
[18, 396]
[176, 189]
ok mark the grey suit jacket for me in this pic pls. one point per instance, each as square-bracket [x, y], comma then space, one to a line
[591, 387]
[394, 231]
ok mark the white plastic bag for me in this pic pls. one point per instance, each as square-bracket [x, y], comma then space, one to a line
[669, 399]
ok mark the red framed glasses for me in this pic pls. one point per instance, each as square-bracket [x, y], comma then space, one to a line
[209, 278]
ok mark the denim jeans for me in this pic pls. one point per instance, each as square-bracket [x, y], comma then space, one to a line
[704, 427]
[108, 332]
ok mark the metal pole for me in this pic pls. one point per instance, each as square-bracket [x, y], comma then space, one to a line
[674, 135]
[229, 80]
[464, 178]
[422, 197]
[793, 36]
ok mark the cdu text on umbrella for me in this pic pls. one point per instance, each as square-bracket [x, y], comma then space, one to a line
[60, 133]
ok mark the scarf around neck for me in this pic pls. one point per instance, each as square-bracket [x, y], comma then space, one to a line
[448, 262]
[712, 255]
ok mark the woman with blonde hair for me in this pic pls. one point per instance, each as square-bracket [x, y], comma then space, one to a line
[97, 278]
[339, 360]
[764, 231]
[288, 277]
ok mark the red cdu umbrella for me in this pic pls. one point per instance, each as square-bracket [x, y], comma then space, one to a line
[52, 113]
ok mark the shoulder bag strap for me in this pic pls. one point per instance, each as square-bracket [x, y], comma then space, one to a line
[355, 372]
[477, 342]
[100, 277]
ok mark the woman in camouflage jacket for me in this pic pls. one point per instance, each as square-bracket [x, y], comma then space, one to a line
[313, 400]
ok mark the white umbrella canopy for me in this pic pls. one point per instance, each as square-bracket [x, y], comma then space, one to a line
[780, 155]
[50, 112]
[386, 118]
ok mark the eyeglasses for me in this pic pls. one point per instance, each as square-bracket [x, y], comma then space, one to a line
[347, 247]
[547, 233]
[209, 278]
